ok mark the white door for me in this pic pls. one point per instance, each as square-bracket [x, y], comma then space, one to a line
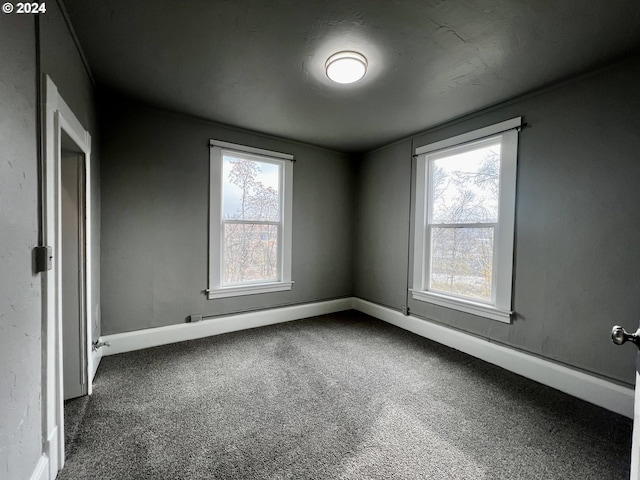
[73, 316]
[620, 336]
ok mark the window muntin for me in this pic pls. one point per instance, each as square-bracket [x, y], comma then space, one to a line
[464, 221]
[250, 238]
[251, 212]
[464, 186]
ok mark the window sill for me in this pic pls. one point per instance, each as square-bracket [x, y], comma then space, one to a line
[467, 306]
[240, 290]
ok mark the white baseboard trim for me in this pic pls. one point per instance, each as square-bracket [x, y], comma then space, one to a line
[41, 472]
[152, 337]
[587, 387]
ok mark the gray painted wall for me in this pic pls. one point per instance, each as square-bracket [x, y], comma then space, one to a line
[20, 290]
[577, 260]
[20, 287]
[155, 181]
[382, 236]
[61, 60]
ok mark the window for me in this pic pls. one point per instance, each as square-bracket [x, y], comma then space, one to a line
[464, 223]
[250, 220]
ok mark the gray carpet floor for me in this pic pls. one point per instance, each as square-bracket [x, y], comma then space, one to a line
[341, 396]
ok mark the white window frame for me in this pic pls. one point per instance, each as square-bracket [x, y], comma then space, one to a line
[499, 308]
[216, 288]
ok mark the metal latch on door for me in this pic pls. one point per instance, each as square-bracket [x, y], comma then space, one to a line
[98, 344]
[619, 336]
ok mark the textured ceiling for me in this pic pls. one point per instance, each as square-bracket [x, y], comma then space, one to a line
[260, 64]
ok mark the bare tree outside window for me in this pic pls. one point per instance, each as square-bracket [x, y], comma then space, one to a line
[463, 218]
[250, 220]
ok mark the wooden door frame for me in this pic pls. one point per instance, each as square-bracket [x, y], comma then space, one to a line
[59, 118]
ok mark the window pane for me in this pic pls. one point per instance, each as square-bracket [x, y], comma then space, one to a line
[250, 189]
[462, 261]
[465, 186]
[250, 253]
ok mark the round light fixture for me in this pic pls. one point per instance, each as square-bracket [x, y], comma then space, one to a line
[346, 67]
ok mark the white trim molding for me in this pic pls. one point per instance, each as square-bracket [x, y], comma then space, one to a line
[41, 472]
[153, 337]
[59, 118]
[635, 439]
[96, 356]
[238, 291]
[468, 306]
[218, 222]
[427, 221]
[52, 448]
[590, 388]
[245, 148]
[494, 129]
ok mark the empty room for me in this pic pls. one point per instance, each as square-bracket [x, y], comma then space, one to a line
[319, 240]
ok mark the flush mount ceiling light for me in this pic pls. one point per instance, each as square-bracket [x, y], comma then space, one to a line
[346, 67]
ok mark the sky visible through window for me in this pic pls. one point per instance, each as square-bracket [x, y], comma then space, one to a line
[267, 174]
